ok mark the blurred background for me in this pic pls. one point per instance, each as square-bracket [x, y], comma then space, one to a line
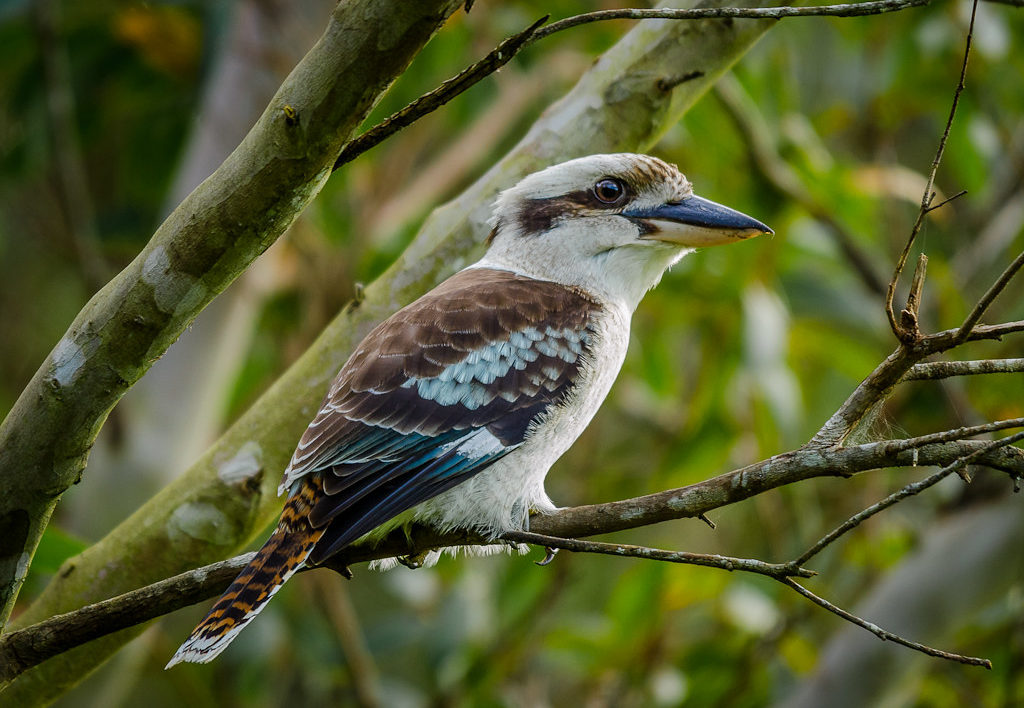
[111, 112]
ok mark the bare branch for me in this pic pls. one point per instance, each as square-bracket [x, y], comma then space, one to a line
[947, 200]
[510, 47]
[24, 648]
[431, 101]
[947, 339]
[869, 392]
[946, 369]
[989, 296]
[882, 634]
[947, 435]
[907, 491]
[856, 9]
[749, 565]
[206, 242]
[926, 200]
[877, 385]
[909, 315]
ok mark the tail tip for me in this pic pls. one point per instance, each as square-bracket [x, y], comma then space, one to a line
[193, 652]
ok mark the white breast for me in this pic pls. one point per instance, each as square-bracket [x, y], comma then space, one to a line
[501, 497]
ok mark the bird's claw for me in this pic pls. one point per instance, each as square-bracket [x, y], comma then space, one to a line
[549, 556]
[414, 560]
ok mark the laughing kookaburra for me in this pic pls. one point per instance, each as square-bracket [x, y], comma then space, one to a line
[452, 410]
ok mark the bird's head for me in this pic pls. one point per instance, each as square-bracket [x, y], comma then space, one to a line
[610, 224]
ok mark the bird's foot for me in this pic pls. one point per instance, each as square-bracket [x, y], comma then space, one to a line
[414, 561]
[549, 556]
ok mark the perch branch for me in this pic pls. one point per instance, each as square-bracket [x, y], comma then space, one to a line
[27, 647]
[206, 242]
[749, 565]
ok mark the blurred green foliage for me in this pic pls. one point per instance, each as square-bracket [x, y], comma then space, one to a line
[739, 354]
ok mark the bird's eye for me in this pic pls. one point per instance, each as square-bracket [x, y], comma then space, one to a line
[609, 190]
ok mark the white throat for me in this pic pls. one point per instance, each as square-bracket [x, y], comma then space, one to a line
[620, 275]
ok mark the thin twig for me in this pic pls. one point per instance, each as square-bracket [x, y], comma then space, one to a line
[971, 431]
[749, 565]
[431, 101]
[926, 200]
[856, 9]
[876, 386]
[883, 634]
[947, 369]
[504, 52]
[947, 200]
[909, 316]
[907, 491]
[988, 297]
[947, 339]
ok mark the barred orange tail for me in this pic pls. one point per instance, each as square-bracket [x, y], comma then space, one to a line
[283, 554]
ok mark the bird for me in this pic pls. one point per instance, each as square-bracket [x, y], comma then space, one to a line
[452, 410]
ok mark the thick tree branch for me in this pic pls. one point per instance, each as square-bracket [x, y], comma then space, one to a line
[202, 246]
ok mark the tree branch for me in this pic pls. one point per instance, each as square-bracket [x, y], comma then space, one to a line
[202, 246]
[510, 47]
[24, 648]
[983, 304]
[908, 491]
[946, 369]
[882, 634]
[902, 334]
[707, 560]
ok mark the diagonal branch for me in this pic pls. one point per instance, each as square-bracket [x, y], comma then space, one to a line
[883, 634]
[213, 235]
[908, 491]
[983, 304]
[510, 47]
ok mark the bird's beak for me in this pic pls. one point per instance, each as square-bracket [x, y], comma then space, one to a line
[695, 222]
